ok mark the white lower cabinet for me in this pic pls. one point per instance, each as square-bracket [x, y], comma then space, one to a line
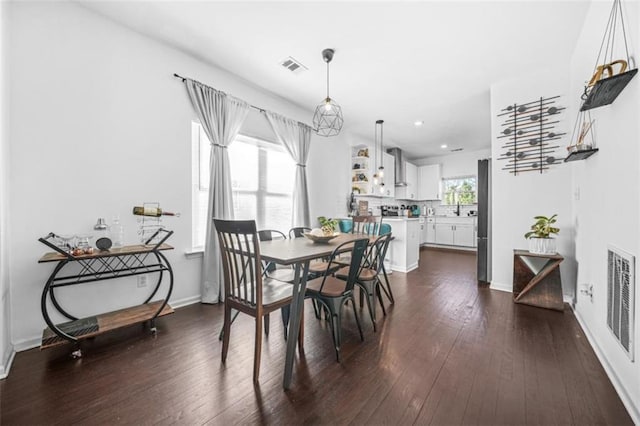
[463, 235]
[451, 231]
[431, 231]
[405, 246]
[444, 233]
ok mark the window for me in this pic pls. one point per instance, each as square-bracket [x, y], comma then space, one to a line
[459, 190]
[261, 179]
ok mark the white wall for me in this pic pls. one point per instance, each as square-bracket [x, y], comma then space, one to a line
[517, 199]
[6, 349]
[99, 124]
[329, 178]
[608, 209]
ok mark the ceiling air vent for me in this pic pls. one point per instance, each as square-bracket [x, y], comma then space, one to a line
[620, 297]
[457, 149]
[293, 65]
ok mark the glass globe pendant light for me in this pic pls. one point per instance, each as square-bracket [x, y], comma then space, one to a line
[327, 119]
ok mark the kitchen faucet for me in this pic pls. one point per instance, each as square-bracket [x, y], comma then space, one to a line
[457, 211]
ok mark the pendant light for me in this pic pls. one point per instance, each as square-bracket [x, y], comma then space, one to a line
[378, 176]
[328, 119]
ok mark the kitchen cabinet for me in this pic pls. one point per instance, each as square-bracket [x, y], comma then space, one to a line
[463, 235]
[423, 230]
[430, 226]
[405, 246]
[429, 182]
[457, 231]
[444, 233]
[409, 192]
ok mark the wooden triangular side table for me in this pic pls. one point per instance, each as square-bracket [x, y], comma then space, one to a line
[536, 279]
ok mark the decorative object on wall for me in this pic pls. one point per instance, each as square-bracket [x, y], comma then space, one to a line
[530, 135]
[328, 119]
[378, 176]
[583, 146]
[609, 74]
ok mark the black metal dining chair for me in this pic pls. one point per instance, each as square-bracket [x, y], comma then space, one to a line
[368, 278]
[246, 290]
[298, 231]
[334, 293]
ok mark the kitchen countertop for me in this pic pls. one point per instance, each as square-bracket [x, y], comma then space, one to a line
[398, 218]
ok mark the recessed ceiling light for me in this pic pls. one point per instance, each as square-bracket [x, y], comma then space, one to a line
[443, 146]
[418, 123]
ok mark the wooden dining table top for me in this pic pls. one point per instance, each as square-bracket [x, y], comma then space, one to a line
[297, 250]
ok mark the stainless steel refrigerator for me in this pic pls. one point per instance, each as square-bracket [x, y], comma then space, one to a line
[484, 221]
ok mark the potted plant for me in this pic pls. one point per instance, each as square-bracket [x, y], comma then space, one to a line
[327, 225]
[540, 241]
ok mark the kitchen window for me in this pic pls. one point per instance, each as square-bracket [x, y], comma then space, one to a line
[262, 175]
[459, 190]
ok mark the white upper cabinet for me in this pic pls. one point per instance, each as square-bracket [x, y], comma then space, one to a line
[409, 192]
[429, 186]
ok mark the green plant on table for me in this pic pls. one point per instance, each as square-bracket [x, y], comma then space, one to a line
[543, 228]
[327, 225]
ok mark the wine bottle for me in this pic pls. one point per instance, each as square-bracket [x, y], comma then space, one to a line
[152, 211]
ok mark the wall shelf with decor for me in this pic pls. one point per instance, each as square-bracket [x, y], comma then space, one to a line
[610, 75]
[360, 170]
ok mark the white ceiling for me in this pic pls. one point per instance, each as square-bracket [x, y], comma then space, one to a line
[398, 61]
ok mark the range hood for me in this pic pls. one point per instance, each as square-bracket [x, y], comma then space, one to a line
[399, 166]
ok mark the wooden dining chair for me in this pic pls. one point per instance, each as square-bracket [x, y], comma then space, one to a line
[334, 293]
[369, 225]
[246, 290]
[364, 225]
[369, 275]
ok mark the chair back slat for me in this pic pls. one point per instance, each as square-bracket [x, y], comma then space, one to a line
[369, 225]
[298, 231]
[240, 251]
[356, 255]
[270, 235]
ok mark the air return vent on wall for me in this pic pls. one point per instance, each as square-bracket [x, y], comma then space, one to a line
[620, 297]
[293, 65]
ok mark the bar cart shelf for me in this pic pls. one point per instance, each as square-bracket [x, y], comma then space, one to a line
[105, 265]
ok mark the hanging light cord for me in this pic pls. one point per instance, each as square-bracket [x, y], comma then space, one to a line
[328, 80]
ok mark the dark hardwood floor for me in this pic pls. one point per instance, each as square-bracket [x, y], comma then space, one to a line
[447, 353]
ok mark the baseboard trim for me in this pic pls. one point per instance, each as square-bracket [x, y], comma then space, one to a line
[501, 287]
[404, 271]
[6, 365]
[180, 303]
[634, 411]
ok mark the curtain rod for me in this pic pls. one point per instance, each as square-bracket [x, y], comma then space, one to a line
[252, 106]
[184, 78]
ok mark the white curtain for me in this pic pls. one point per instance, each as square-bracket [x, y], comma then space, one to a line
[296, 138]
[221, 117]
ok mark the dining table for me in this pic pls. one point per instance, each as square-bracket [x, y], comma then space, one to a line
[299, 252]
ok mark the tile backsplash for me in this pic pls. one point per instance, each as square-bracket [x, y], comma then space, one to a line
[375, 203]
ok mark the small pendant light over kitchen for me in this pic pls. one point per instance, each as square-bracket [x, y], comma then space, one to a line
[328, 119]
[378, 176]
